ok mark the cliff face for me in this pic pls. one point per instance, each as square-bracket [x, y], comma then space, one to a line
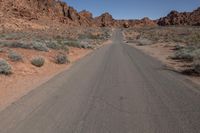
[43, 10]
[40, 9]
[41, 14]
[182, 18]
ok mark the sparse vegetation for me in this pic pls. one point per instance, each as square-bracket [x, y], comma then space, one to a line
[188, 35]
[90, 36]
[196, 61]
[38, 61]
[53, 45]
[144, 41]
[184, 54]
[14, 56]
[16, 44]
[57, 45]
[72, 44]
[5, 67]
[61, 59]
[1, 50]
[40, 46]
[196, 65]
[187, 40]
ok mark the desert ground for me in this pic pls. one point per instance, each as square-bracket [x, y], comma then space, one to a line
[17, 51]
[177, 47]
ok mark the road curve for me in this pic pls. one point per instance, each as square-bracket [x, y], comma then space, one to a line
[116, 89]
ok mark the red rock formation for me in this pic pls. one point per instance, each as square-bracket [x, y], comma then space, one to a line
[184, 18]
[105, 20]
[86, 14]
[36, 9]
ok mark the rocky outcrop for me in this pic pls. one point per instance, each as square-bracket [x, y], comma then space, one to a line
[40, 9]
[29, 11]
[182, 18]
[105, 20]
[86, 14]
[134, 23]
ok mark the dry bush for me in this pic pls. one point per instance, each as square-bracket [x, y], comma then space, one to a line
[14, 56]
[5, 67]
[38, 61]
[61, 59]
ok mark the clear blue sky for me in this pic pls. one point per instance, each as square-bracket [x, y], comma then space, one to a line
[134, 9]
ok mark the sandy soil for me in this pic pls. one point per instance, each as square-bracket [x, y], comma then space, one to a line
[162, 52]
[26, 77]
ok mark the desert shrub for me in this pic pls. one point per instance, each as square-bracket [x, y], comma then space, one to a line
[178, 47]
[38, 61]
[53, 45]
[1, 50]
[14, 56]
[90, 47]
[72, 44]
[61, 59]
[5, 67]
[16, 44]
[144, 41]
[184, 54]
[40, 46]
[90, 36]
[13, 36]
[196, 65]
[196, 61]
[57, 45]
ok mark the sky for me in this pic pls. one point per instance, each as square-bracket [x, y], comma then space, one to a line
[134, 9]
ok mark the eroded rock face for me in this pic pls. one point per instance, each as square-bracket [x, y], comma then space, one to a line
[105, 20]
[86, 14]
[135, 23]
[183, 18]
[42, 13]
[36, 9]
[60, 11]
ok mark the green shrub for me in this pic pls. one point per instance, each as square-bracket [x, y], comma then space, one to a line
[14, 56]
[40, 46]
[61, 59]
[5, 67]
[38, 61]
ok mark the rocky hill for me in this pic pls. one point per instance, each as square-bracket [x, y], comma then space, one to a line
[39, 14]
[42, 14]
[106, 20]
[182, 18]
[46, 14]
